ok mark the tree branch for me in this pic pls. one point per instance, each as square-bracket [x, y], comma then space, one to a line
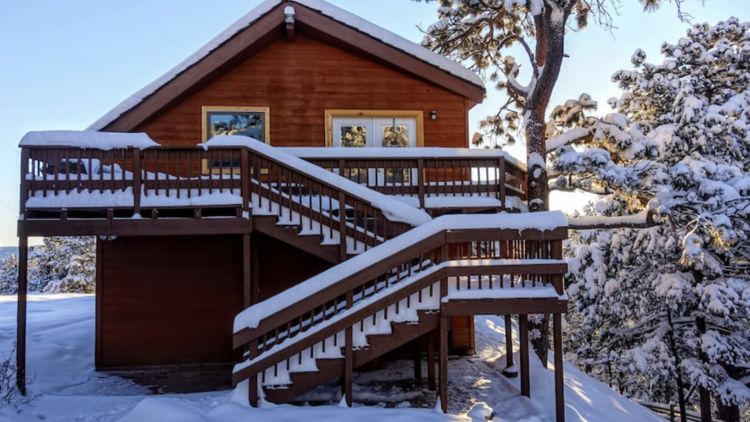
[642, 220]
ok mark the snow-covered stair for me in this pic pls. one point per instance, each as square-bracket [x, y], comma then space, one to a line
[372, 337]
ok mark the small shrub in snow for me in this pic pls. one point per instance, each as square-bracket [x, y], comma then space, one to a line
[9, 394]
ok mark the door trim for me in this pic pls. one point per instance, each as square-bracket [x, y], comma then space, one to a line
[418, 115]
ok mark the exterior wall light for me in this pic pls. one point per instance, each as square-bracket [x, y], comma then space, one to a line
[433, 115]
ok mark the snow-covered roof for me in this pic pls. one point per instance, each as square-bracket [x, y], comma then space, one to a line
[87, 139]
[325, 8]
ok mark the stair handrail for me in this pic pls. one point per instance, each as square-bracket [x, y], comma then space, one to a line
[266, 326]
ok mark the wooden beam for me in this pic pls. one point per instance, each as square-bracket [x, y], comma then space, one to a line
[559, 375]
[417, 355]
[444, 363]
[348, 365]
[509, 348]
[541, 305]
[255, 282]
[23, 254]
[523, 328]
[247, 270]
[98, 323]
[134, 227]
[290, 32]
[431, 361]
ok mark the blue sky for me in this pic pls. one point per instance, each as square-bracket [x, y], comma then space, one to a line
[65, 63]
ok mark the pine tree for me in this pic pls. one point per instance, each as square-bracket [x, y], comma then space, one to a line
[75, 265]
[9, 276]
[666, 308]
[477, 33]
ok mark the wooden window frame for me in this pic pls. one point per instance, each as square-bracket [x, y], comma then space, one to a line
[247, 109]
[398, 114]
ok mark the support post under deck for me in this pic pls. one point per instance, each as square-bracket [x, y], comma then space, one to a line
[523, 328]
[559, 379]
[23, 252]
[444, 363]
[509, 371]
[431, 361]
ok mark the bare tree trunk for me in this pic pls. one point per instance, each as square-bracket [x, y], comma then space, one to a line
[704, 395]
[549, 53]
[677, 362]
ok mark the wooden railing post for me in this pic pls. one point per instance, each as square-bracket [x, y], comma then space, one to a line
[501, 181]
[420, 182]
[557, 252]
[245, 180]
[342, 226]
[431, 384]
[348, 354]
[136, 181]
[25, 154]
[252, 382]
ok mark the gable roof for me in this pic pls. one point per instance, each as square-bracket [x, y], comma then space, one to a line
[263, 22]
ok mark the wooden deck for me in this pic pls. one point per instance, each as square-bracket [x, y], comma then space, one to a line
[170, 190]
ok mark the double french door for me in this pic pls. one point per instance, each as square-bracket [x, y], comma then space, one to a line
[367, 132]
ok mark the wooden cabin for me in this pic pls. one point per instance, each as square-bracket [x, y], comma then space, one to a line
[358, 138]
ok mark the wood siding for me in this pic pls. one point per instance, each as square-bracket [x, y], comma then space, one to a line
[166, 300]
[169, 300]
[281, 266]
[299, 81]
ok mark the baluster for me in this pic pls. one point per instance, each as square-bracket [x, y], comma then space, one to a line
[136, 180]
[45, 167]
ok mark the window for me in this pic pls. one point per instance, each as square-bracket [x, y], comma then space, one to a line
[244, 121]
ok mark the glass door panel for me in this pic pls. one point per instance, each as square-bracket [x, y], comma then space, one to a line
[395, 133]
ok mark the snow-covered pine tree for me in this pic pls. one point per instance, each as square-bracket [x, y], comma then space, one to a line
[78, 266]
[9, 276]
[478, 33]
[669, 304]
[63, 265]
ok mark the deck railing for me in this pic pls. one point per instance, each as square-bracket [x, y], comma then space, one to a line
[427, 179]
[169, 177]
[131, 182]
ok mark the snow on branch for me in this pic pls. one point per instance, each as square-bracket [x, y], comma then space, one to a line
[572, 136]
[642, 220]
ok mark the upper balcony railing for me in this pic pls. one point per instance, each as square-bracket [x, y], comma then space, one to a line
[128, 181]
[429, 177]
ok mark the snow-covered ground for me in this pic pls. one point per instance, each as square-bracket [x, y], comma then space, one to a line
[61, 360]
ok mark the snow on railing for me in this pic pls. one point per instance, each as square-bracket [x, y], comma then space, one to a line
[499, 256]
[428, 177]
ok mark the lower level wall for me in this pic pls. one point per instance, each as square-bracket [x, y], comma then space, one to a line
[171, 300]
[167, 300]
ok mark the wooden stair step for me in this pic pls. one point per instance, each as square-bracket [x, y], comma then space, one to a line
[330, 369]
[290, 234]
[401, 333]
[302, 382]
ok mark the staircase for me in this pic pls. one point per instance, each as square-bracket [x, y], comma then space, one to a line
[396, 292]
